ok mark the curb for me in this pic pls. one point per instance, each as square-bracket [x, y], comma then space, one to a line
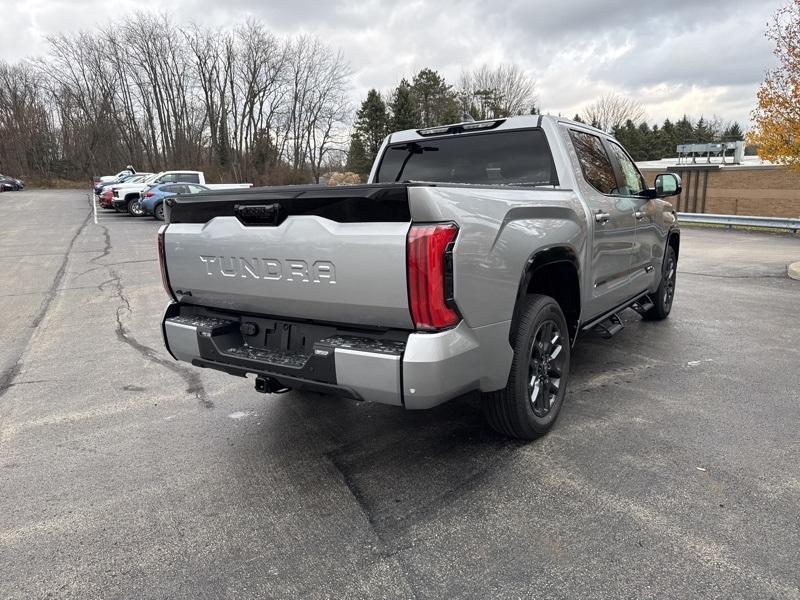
[794, 270]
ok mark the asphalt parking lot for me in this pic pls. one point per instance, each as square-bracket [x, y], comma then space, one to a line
[673, 471]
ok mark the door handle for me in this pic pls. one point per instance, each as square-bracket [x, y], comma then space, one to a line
[601, 217]
[639, 215]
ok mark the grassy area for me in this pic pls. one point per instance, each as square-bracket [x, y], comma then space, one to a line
[59, 184]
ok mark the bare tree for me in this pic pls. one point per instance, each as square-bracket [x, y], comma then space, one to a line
[500, 91]
[611, 111]
[26, 141]
[240, 103]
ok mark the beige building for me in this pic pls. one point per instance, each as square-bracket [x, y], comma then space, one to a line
[754, 188]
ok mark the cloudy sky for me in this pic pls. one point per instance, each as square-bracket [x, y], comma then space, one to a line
[674, 56]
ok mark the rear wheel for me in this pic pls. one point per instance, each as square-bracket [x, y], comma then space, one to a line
[530, 403]
[665, 294]
[158, 212]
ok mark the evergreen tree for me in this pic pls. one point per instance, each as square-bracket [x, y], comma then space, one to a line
[654, 146]
[437, 103]
[628, 136]
[668, 144]
[645, 141]
[702, 132]
[357, 160]
[684, 131]
[733, 133]
[372, 123]
[577, 118]
[403, 107]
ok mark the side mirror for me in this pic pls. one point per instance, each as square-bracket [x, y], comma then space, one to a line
[667, 184]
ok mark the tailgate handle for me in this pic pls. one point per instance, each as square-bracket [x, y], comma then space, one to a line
[257, 214]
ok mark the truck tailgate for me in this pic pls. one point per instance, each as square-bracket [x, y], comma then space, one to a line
[317, 261]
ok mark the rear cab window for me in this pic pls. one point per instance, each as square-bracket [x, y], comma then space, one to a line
[514, 157]
[188, 178]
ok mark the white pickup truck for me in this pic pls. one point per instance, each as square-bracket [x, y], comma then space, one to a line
[127, 195]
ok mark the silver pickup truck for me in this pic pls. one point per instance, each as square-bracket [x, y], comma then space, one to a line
[470, 262]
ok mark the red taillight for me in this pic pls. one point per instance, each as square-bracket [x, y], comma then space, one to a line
[162, 261]
[430, 275]
[149, 195]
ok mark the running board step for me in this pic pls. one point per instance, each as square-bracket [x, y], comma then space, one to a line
[609, 327]
[643, 305]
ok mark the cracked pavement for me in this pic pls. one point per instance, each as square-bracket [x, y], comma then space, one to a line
[673, 470]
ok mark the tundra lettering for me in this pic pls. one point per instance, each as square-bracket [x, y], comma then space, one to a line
[474, 258]
[269, 268]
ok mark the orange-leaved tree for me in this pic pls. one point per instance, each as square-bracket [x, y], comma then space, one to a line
[776, 119]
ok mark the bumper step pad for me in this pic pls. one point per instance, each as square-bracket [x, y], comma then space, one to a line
[295, 360]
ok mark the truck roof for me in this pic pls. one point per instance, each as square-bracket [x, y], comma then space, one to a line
[517, 122]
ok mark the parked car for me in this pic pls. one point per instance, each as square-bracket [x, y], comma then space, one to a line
[130, 177]
[529, 231]
[11, 184]
[129, 170]
[153, 201]
[127, 196]
[105, 199]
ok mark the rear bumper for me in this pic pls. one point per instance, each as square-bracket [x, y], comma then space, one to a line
[415, 370]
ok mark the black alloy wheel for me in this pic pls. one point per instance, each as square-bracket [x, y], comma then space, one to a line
[545, 367]
[665, 294]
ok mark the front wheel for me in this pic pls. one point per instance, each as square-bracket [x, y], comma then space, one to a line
[135, 208]
[530, 403]
[665, 294]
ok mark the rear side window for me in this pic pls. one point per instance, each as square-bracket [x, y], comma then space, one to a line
[188, 178]
[595, 164]
[500, 157]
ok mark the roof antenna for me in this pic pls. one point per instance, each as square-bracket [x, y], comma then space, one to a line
[466, 118]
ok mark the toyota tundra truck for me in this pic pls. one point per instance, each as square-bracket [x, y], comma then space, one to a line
[469, 263]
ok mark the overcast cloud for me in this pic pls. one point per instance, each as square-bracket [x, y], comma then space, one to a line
[674, 56]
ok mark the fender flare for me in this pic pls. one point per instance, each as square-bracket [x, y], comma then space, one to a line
[541, 257]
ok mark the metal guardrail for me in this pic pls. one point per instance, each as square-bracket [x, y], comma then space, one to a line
[792, 225]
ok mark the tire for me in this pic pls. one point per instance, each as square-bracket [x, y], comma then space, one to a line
[665, 294]
[135, 208]
[158, 212]
[537, 383]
